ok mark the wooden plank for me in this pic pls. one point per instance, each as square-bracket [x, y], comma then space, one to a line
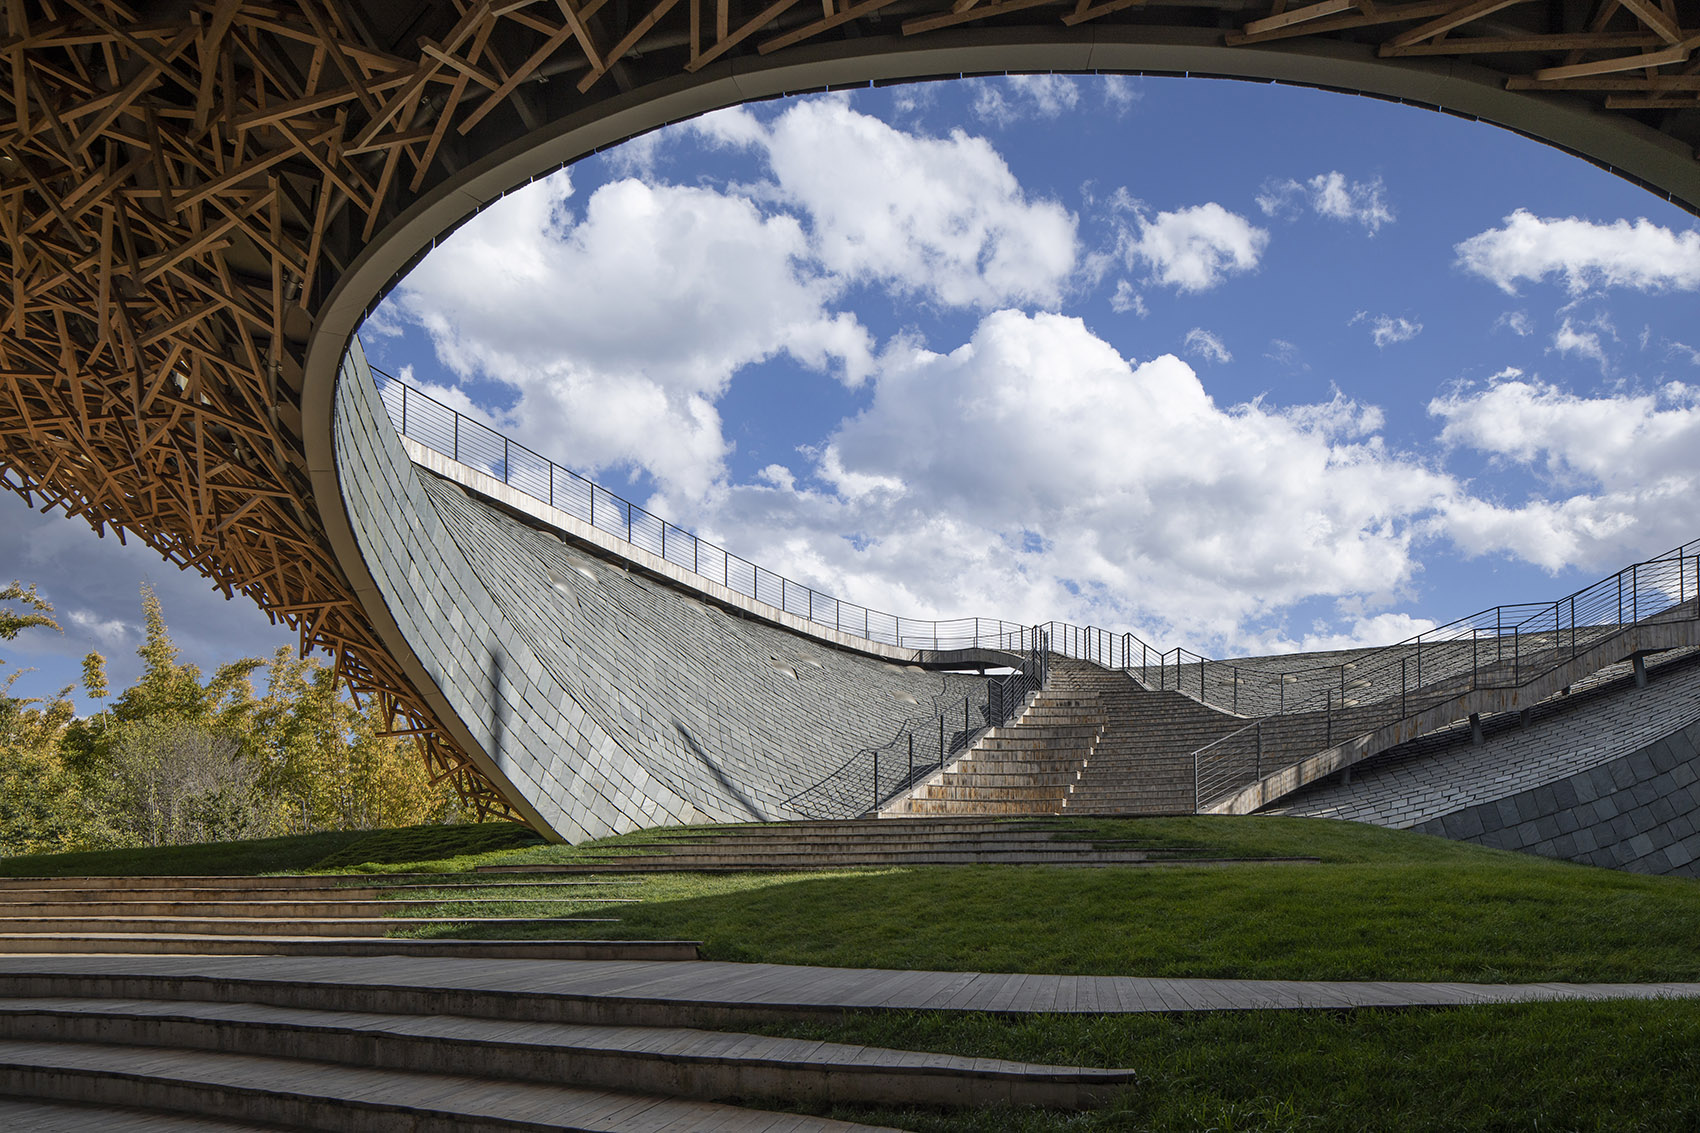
[767, 16]
[1082, 13]
[1677, 54]
[1455, 18]
[998, 8]
[1297, 16]
[1384, 14]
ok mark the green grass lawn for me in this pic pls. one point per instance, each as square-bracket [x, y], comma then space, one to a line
[1549, 1066]
[1380, 905]
[1377, 905]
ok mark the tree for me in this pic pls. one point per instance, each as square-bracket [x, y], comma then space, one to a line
[38, 796]
[177, 781]
[39, 799]
[37, 611]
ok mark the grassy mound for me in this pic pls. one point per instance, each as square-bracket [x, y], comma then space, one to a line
[1381, 904]
[1563, 1066]
[428, 847]
[290, 854]
[411, 845]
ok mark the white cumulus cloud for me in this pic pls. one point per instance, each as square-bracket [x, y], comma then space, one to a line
[1618, 471]
[1202, 344]
[1331, 195]
[1585, 255]
[623, 327]
[1121, 491]
[1385, 330]
[1004, 99]
[1194, 248]
[940, 217]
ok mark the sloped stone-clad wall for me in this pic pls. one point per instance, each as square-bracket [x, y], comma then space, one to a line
[607, 700]
[1640, 812]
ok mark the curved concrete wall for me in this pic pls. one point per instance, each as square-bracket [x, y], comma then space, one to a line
[1606, 776]
[608, 701]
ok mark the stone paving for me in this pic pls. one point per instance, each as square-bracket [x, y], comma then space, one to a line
[694, 987]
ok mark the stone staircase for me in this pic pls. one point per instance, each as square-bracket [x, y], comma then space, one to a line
[1143, 760]
[302, 915]
[406, 1045]
[1026, 767]
[866, 842]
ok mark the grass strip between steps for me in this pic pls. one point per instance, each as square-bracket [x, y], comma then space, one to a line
[1626, 1066]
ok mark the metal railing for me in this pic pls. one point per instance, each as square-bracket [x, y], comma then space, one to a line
[1505, 647]
[446, 430]
[924, 745]
[1290, 710]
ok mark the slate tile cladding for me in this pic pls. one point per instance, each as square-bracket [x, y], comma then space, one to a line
[609, 700]
[1606, 776]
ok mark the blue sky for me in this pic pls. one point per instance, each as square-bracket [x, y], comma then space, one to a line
[1234, 366]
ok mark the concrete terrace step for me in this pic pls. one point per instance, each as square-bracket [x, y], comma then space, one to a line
[975, 791]
[244, 881]
[328, 946]
[73, 1117]
[244, 926]
[191, 944]
[675, 1061]
[10, 897]
[985, 777]
[302, 1094]
[273, 910]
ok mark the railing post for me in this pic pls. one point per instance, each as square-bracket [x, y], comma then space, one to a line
[1635, 592]
[1257, 765]
[941, 741]
[911, 757]
[1475, 673]
[1201, 698]
[876, 806]
[507, 461]
[403, 411]
[1328, 694]
[457, 436]
[965, 728]
[1516, 655]
[1404, 709]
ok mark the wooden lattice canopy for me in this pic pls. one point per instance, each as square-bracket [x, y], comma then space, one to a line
[183, 187]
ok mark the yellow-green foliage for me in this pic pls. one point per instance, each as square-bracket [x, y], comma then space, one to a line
[177, 759]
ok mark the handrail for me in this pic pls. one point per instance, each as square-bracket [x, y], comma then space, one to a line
[1501, 648]
[447, 431]
[923, 745]
[1536, 637]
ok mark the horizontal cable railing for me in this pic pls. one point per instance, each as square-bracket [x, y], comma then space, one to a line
[1307, 711]
[925, 744]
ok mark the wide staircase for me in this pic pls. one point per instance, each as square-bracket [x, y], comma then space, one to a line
[1143, 761]
[312, 914]
[1023, 768]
